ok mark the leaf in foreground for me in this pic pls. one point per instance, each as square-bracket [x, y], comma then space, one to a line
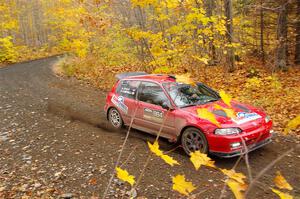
[155, 149]
[229, 112]
[281, 182]
[237, 188]
[124, 175]
[169, 160]
[198, 159]
[282, 195]
[207, 115]
[226, 98]
[239, 177]
[182, 186]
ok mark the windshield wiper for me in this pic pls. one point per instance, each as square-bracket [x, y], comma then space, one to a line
[188, 105]
[212, 100]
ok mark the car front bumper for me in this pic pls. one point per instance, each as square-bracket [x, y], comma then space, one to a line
[242, 151]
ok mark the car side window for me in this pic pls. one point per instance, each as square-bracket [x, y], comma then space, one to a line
[128, 88]
[152, 93]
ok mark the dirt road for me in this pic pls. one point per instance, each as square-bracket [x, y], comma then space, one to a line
[55, 142]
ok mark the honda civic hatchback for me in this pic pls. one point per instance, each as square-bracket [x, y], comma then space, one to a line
[151, 103]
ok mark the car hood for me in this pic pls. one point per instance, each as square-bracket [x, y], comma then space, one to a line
[244, 114]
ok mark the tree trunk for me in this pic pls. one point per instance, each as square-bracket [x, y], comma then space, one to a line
[209, 12]
[229, 34]
[297, 50]
[281, 55]
[262, 51]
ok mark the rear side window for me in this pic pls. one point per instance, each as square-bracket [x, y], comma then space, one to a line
[128, 88]
[152, 93]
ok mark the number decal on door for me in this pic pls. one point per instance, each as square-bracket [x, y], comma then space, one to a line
[154, 115]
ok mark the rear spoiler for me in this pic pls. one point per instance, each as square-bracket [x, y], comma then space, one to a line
[130, 74]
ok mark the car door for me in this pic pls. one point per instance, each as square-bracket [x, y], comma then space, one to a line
[125, 99]
[150, 115]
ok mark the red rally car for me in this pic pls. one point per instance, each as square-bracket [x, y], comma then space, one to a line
[158, 100]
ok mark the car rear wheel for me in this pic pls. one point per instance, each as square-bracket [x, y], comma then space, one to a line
[115, 118]
[193, 139]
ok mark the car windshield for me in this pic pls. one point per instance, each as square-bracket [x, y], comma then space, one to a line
[184, 95]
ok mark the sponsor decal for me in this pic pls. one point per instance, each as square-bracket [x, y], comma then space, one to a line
[129, 91]
[119, 102]
[154, 115]
[243, 117]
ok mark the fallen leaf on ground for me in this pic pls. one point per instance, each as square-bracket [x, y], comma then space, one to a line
[237, 188]
[182, 186]
[124, 175]
[282, 195]
[93, 181]
[198, 159]
[239, 177]
[169, 160]
[281, 182]
[155, 148]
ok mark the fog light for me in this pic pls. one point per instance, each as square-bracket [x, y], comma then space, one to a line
[267, 119]
[235, 145]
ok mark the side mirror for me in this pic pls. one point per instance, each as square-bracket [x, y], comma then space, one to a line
[165, 105]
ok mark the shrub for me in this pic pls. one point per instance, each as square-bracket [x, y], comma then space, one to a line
[8, 52]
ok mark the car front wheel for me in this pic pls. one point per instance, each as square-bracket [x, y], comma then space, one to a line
[115, 118]
[192, 140]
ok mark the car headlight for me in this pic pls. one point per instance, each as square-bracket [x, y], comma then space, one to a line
[267, 119]
[227, 131]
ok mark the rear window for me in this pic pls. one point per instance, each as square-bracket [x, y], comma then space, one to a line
[128, 88]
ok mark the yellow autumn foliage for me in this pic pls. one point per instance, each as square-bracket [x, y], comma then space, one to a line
[8, 52]
[292, 124]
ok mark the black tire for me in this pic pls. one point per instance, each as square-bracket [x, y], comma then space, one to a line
[192, 139]
[115, 118]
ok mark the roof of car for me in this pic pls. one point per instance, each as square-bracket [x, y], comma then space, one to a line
[155, 77]
[146, 76]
